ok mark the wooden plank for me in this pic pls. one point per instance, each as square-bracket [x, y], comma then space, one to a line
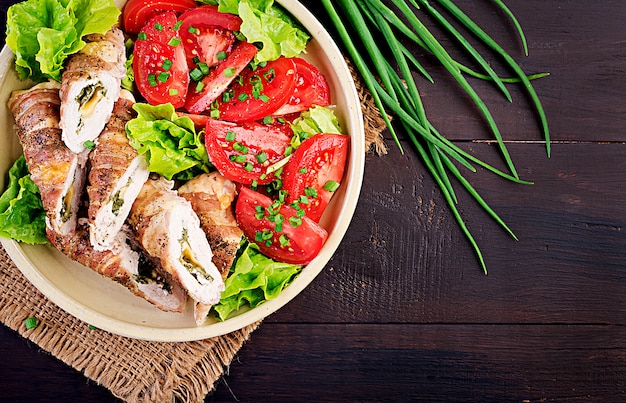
[471, 363]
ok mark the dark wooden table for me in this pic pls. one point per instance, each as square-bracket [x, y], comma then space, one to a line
[403, 311]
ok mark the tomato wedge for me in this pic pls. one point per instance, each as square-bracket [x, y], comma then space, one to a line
[259, 93]
[311, 89]
[313, 172]
[242, 152]
[277, 229]
[136, 12]
[160, 65]
[220, 77]
[206, 33]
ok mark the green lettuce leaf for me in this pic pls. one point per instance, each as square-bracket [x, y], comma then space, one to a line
[43, 33]
[170, 143]
[318, 119]
[268, 24]
[22, 216]
[254, 280]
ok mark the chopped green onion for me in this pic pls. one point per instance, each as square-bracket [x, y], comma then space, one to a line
[261, 157]
[192, 30]
[283, 240]
[195, 74]
[158, 26]
[229, 72]
[199, 86]
[295, 222]
[89, 144]
[174, 41]
[230, 136]
[30, 323]
[173, 91]
[221, 55]
[142, 36]
[177, 25]
[204, 68]
[310, 192]
[152, 80]
[167, 64]
[331, 186]
[163, 76]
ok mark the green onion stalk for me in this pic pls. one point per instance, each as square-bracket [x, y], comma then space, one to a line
[395, 91]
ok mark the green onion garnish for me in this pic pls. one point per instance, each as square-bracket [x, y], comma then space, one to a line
[374, 36]
[30, 323]
[331, 186]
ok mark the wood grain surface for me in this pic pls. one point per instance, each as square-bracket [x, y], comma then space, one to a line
[403, 311]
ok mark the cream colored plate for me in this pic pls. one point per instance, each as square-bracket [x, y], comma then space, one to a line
[103, 303]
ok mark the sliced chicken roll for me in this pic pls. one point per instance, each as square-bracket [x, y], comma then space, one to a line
[211, 196]
[91, 84]
[117, 173]
[56, 170]
[167, 228]
[124, 265]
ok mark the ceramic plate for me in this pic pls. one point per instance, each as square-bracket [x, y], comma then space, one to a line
[106, 305]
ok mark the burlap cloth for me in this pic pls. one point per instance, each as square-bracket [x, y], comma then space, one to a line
[135, 370]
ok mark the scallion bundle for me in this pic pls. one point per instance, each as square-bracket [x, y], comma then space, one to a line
[360, 25]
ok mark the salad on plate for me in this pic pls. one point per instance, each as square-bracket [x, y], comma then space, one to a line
[186, 150]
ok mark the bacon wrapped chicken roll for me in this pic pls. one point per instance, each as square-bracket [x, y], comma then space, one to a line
[167, 228]
[211, 197]
[117, 173]
[91, 84]
[56, 170]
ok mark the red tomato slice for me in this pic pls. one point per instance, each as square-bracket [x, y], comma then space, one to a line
[318, 160]
[207, 32]
[311, 89]
[208, 15]
[259, 93]
[297, 244]
[242, 152]
[205, 44]
[136, 12]
[220, 77]
[160, 65]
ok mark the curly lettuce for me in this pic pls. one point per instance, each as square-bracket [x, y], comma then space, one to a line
[22, 216]
[43, 33]
[169, 142]
[254, 279]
